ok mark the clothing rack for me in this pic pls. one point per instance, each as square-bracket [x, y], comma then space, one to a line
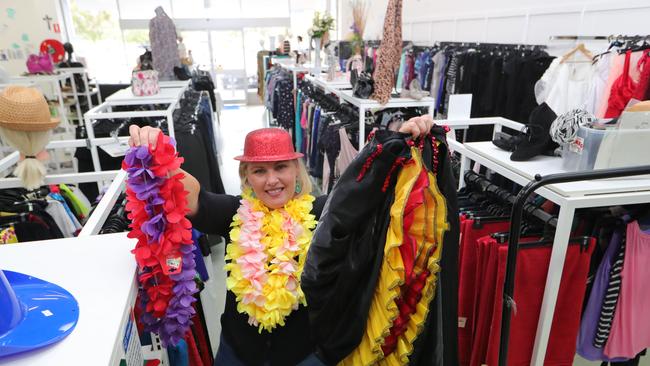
[568, 196]
[578, 38]
[485, 185]
[95, 222]
[609, 38]
[480, 44]
[515, 226]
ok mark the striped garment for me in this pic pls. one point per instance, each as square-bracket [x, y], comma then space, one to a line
[611, 299]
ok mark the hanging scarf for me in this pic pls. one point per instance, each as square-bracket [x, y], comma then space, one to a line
[267, 254]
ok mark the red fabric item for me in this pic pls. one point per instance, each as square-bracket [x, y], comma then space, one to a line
[201, 337]
[467, 271]
[192, 350]
[462, 219]
[642, 87]
[152, 362]
[484, 295]
[622, 90]
[530, 280]
[486, 285]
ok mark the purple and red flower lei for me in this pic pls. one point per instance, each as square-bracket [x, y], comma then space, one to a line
[157, 205]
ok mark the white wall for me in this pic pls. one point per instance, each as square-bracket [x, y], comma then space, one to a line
[22, 29]
[511, 21]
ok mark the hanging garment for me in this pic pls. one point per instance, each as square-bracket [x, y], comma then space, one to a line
[348, 250]
[642, 91]
[390, 52]
[409, 70]
[407, 279]
[164, 49]
[622, 90]
[598, 83]
[591, 314]
[471, 231]
[347, 153]
[297, 137]
[61, 217]
[400, 72]
[528, 296]
[438, 68]
[78, 204]
[630, 333]
[564, 86]
[610, 300]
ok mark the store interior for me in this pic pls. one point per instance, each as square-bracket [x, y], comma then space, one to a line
[536, 208]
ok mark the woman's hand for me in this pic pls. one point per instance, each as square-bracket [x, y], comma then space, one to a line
[417, 126]
[143, 136]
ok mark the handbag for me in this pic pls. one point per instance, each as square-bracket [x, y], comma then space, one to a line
[144, 82]
[40, 64]
[363, 85]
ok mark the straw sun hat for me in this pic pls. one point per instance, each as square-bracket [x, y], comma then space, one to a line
[25, 109]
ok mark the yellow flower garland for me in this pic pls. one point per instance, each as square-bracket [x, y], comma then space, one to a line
[262, 270]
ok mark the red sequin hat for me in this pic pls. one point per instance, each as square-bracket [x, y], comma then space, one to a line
[268, 144]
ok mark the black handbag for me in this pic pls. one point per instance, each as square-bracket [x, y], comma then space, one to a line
[363, 85]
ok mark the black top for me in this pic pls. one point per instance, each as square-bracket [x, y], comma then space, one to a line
[286, 345]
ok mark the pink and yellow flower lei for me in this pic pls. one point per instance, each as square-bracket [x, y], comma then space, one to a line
[267, 254]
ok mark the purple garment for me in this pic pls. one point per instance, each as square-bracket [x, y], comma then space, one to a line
[591, 315]
[201, 269]
[409, 70]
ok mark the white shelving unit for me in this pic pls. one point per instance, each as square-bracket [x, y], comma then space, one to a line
[174, 84]
[367, 104]
[55, 81]
[100, 274]
[569, 196]
[333, 87]
[89, 91]
[166, 95]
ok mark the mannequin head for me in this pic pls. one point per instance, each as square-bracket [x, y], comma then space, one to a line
[25, 124]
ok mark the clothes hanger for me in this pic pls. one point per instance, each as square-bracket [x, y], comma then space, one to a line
[579, 48]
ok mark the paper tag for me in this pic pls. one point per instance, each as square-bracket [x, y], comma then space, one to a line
[172, 265]
[577, 145]
[461, 322]
[116, 149]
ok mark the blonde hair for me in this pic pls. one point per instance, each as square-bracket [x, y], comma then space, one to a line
[30, 171]
[303, 177]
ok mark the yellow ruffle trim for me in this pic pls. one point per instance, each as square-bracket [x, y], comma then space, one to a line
[383, 309]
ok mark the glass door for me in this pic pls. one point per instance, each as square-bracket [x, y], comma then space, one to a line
[229, 66]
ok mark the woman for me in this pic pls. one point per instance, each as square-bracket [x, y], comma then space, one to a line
[269, 229]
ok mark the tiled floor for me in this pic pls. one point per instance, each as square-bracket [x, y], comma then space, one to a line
[235, 124]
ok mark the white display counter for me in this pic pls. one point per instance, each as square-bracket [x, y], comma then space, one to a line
[99, 271]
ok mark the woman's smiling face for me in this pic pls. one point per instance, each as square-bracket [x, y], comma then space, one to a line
[274, 183]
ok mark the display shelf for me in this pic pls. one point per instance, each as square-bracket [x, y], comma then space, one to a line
[489, 153]
[568, 196]
[365, 104]
[55, 81]
[92, 92]
[126, 97]
[99, 271]
[89, 91]
[174, 84]
[334, 87]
